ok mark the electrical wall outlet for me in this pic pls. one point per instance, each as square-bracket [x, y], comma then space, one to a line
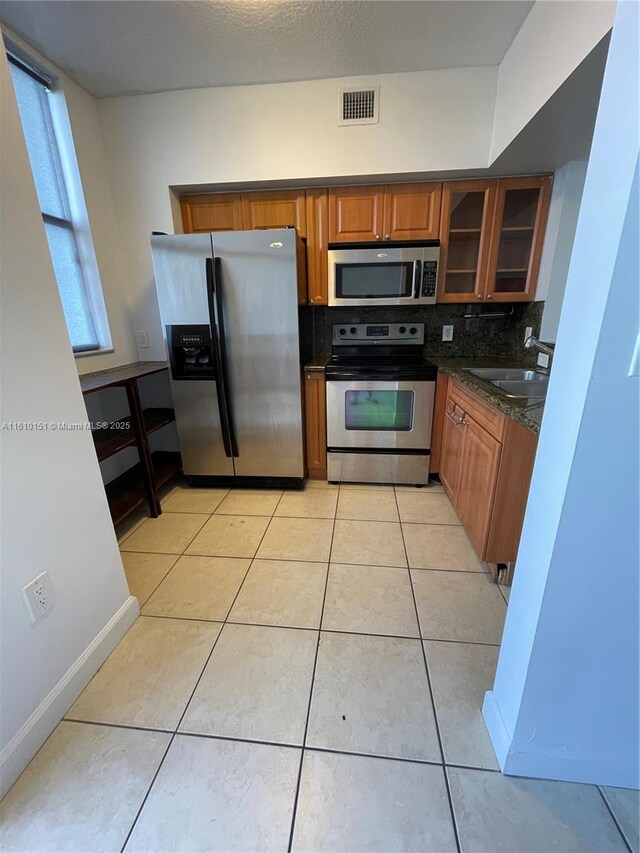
[39, 596]
[142, 339]
[528, 332]
[543, 359]
[447, 333]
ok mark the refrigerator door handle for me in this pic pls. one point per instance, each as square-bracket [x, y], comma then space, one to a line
[216, 321]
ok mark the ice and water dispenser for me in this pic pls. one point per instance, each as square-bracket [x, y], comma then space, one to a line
[190, 352]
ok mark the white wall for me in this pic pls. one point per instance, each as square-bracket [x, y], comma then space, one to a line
[429, 121]
[88, 143]
[54, 513]
[554, 39]
[565, 700]
[566, 194]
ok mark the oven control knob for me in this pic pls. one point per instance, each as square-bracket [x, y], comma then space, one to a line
[402, 329]
[353, 330]
[342, 332]
[413, 331]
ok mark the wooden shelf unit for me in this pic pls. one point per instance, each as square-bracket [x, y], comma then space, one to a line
[127, 492]
[121, 435]
[142, 482]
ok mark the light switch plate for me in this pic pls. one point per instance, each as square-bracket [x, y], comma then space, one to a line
[543, 359]
[447, 333]
[142, 338]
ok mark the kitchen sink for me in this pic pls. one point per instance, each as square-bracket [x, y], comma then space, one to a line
[513, 382]
[521, 387]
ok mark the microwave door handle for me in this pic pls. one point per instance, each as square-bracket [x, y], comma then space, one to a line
[417, 267]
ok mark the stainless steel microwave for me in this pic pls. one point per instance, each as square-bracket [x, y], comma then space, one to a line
[378, 274]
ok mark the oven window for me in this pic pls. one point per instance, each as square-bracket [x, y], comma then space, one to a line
[379, 410]
[374, 281]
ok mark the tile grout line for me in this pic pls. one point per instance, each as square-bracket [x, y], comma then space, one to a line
[607, 805]
[324, 630]
[296, 746]
[433, 703]
[506, 600]
[198, 680]
[335, 562]
[294, 812]
[141, 604]
[144, 799]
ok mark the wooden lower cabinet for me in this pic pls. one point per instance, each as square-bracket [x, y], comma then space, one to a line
[450, 458]
[315, 411]
[485, 460]
[479, 462]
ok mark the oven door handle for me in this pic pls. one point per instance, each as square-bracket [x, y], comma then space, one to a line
[417, 267]
[368, 377]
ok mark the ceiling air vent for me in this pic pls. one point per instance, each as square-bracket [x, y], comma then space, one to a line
[359, 106]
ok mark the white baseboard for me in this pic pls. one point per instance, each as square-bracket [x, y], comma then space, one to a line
[500, 739]
[28, 740]
[536, 761]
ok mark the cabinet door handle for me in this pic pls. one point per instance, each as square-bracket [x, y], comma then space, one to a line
[377, 236]
[387, 236]
[461, 422]
[489, 295]
[479, 296]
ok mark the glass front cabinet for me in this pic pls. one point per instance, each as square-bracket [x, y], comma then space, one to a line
[492, 233]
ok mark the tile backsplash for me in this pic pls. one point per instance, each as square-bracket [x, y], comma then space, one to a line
[498, 336]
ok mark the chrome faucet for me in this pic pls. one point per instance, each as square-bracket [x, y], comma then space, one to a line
[532, 342]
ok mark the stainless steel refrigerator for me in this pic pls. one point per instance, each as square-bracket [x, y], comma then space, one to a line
[229, 308]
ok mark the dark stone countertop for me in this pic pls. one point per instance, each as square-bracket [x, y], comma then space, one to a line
[530, 418]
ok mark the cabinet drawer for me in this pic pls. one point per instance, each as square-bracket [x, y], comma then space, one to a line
[483, 413]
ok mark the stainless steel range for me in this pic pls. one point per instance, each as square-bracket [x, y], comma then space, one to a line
[380, 396]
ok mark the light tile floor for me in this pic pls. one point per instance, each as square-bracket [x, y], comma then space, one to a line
[307, 674]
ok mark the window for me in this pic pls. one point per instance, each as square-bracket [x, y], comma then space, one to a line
[33, 93]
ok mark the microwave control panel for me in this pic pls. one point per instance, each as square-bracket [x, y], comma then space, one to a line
[429, 278]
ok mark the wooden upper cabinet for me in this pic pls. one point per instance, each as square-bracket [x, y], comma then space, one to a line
[491, 243]
[467, 216]
[317, 226]
[412, 211]
[520, 220]
[275, 209]
[391, 212]
[355, 214]
[212, 212]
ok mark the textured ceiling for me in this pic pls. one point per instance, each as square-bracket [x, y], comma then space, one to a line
[126, 47]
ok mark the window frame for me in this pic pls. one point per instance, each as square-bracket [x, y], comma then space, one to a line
[69, 175]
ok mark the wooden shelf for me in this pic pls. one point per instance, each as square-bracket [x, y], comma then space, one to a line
[141, 482]
[113, 376]
[127, 492]
[462, 272]
[512, 271]
[465, 230]
[512, 228]
[121, 435]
